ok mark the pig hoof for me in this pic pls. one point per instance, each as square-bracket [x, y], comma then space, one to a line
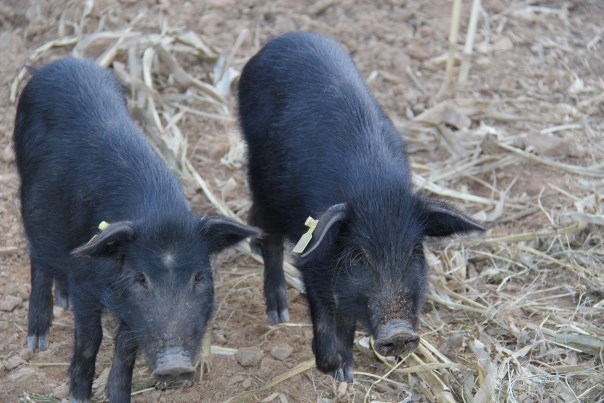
[344, 374]
[348, 374]
[43, 342]
[284, 315]
[62, 301]
[275, 318]
[37, 342]
[76, 400]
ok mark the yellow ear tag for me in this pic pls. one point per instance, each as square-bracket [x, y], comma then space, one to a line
[102, 226]
[311, 223]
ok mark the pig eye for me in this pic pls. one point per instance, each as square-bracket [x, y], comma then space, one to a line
[141, 280]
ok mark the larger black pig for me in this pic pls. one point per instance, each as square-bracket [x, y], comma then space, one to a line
[82, 161]
[320, 145]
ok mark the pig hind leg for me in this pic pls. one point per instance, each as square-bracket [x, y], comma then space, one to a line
[40, 305]
[275, 290]
[271, 249]
[61, 291]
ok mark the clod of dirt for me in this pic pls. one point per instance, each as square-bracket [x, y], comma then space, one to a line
[247, 383]
[61, 390]
[22, 374]
[342, 388]
[249, 356]
[553, 146]
[502, 43]
[267, 365]
[9, 303]
[26, 354]
[13, 362]
[236, 379]
[281, 352]
[218, 336]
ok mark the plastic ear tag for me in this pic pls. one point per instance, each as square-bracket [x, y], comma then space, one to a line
[102, 226]
[311, 223]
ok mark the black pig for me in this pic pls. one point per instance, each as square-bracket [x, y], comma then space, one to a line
[82, 160]
[320, 145]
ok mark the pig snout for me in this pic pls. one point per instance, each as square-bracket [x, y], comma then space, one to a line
[173, 365]
[396, 337]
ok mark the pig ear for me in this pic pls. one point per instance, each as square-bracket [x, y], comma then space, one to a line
[443, 220]
[106, 241]
[223, 232]
[328, 221]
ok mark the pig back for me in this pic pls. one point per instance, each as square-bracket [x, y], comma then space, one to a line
[314, 131]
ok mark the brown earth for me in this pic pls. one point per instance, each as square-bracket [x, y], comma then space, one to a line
[539, 64]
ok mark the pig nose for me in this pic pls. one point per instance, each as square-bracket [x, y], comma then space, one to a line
[173, 365]
[395, 338]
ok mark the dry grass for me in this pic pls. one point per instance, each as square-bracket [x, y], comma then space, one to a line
[496, 329]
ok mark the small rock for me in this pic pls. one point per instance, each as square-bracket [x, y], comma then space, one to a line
[22, 374]
[13, 362]
[8, 155]
[342, 388]
[61, 390]
[236, 379]
[544, 144]
[281, 352]
[247, 383]
[503, 43]
[26, 354]
[249, 356]
[24, 291]
[218, 336]
[9, 303]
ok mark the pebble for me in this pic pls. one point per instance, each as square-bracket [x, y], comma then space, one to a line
[247, 383]
[281, 352]
[9, 303]
[249, 356]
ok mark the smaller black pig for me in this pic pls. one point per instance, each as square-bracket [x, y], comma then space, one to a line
[82, 160]
[320, 145]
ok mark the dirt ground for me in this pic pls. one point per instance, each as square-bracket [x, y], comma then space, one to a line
[538, 65]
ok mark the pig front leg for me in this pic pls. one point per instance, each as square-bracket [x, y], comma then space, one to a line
[333, 340]
[88, 336]
[119, 383]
